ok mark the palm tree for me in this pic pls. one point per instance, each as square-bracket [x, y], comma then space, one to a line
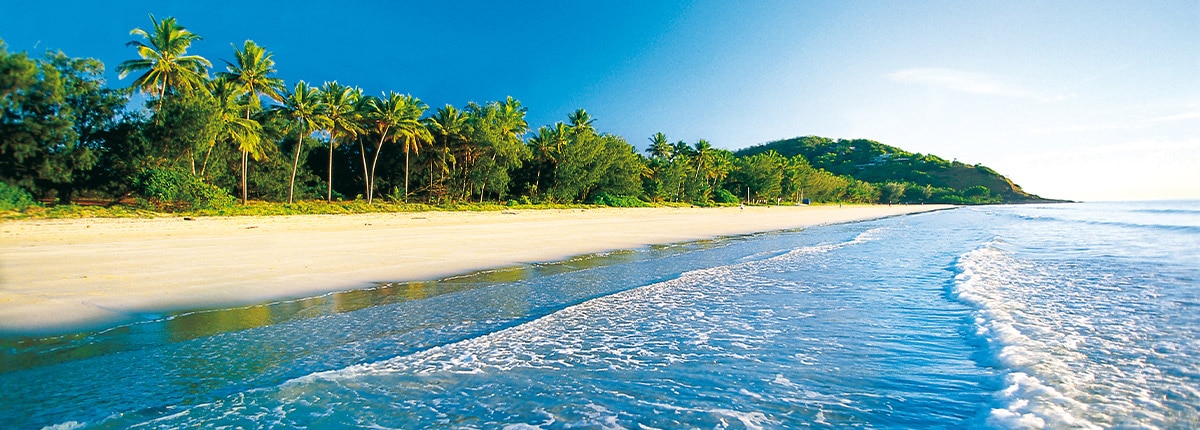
[400, 114]
[339, 109]
[681, 149]
[547, 146]
[251, 74]
[451, 126]
[512, 120]
[251, 71]
[509, 117]
[581, 122]
[410, 131]
[303, 108]
[164, 60]
[720, 164]
[384, 113]
[362, 117]
[659, 147]
[245, 133]
[703, 154]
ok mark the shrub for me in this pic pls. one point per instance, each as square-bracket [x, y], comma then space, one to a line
[617, 201]
[14, 198]
[174, 187]
[724, 196]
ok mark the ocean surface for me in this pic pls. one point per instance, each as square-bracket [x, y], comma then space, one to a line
[1033, 316]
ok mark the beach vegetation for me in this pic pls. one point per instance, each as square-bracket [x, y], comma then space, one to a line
[196, 140]
[172, 188]
[14, 198]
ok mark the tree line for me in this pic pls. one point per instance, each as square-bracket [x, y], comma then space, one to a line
[206, 137]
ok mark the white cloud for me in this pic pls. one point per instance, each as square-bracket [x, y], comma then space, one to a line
[1121, 124]
[1178, 117]
[967, 82]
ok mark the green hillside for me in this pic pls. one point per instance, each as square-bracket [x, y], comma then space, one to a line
[876, 163]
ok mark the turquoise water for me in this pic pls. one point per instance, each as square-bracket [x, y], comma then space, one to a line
[1059, 316]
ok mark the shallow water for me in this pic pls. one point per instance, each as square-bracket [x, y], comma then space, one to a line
[1080, 315]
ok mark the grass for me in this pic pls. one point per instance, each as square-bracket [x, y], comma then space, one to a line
[311, 207]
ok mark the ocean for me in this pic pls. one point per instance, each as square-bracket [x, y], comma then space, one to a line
[1031, 316]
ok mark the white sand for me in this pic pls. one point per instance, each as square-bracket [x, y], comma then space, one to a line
[62, 275]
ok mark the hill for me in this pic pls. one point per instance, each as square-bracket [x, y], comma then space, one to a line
[876, 163]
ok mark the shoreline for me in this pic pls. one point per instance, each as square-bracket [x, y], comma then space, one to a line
[65, 276]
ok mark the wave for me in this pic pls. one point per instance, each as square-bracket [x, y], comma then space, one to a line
[455, 357]
[1169, 211]
[1173, 227]
[640, 330]
[1080, 343]
[1027, 401]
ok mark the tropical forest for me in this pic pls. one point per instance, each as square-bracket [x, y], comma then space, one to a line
[193, 134]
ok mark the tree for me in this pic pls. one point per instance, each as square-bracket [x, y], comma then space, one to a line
[703, 155]
[339, 107]
[547, 146]
[410, 132]
[681, 149]
[759, 175]
[892, 192]
[304, 109]
[164, 60]
[250, 73]
[243, 133]
[581, 122]
[659, 147]
[497, 134]
[451, 127]
[400, 115]
[39, 144]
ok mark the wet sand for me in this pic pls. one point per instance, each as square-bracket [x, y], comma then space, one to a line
[58, 276]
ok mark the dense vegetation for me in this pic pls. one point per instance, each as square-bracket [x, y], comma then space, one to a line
[204, 140]
[900, 175]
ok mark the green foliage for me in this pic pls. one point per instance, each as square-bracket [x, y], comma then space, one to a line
[55, 112]
[62, 133]
[174, 188]
[591, 164]
[881, 164]
[185, 127]
[724, 196]
[617, 201]
[164, 59]
[760, 174]
[14, 198]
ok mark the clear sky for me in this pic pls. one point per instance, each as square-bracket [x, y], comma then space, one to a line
[1089, 100]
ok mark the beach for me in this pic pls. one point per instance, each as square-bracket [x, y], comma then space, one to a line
[58, 276]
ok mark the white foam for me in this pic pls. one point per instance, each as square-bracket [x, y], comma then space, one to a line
[751, 420]
[69, 425]
[1038, 327]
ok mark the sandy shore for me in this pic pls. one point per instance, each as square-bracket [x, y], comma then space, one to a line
[57, 276]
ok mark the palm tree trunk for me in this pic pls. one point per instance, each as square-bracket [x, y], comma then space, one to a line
[375, 162]
[244, 163]
[406, 173]
[161, 93]
[537, 182]
[295, 165]
[366, 173]
[204, 166]
[245, 156]
[329, 192]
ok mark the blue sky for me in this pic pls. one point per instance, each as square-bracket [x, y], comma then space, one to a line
[1088, 100]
